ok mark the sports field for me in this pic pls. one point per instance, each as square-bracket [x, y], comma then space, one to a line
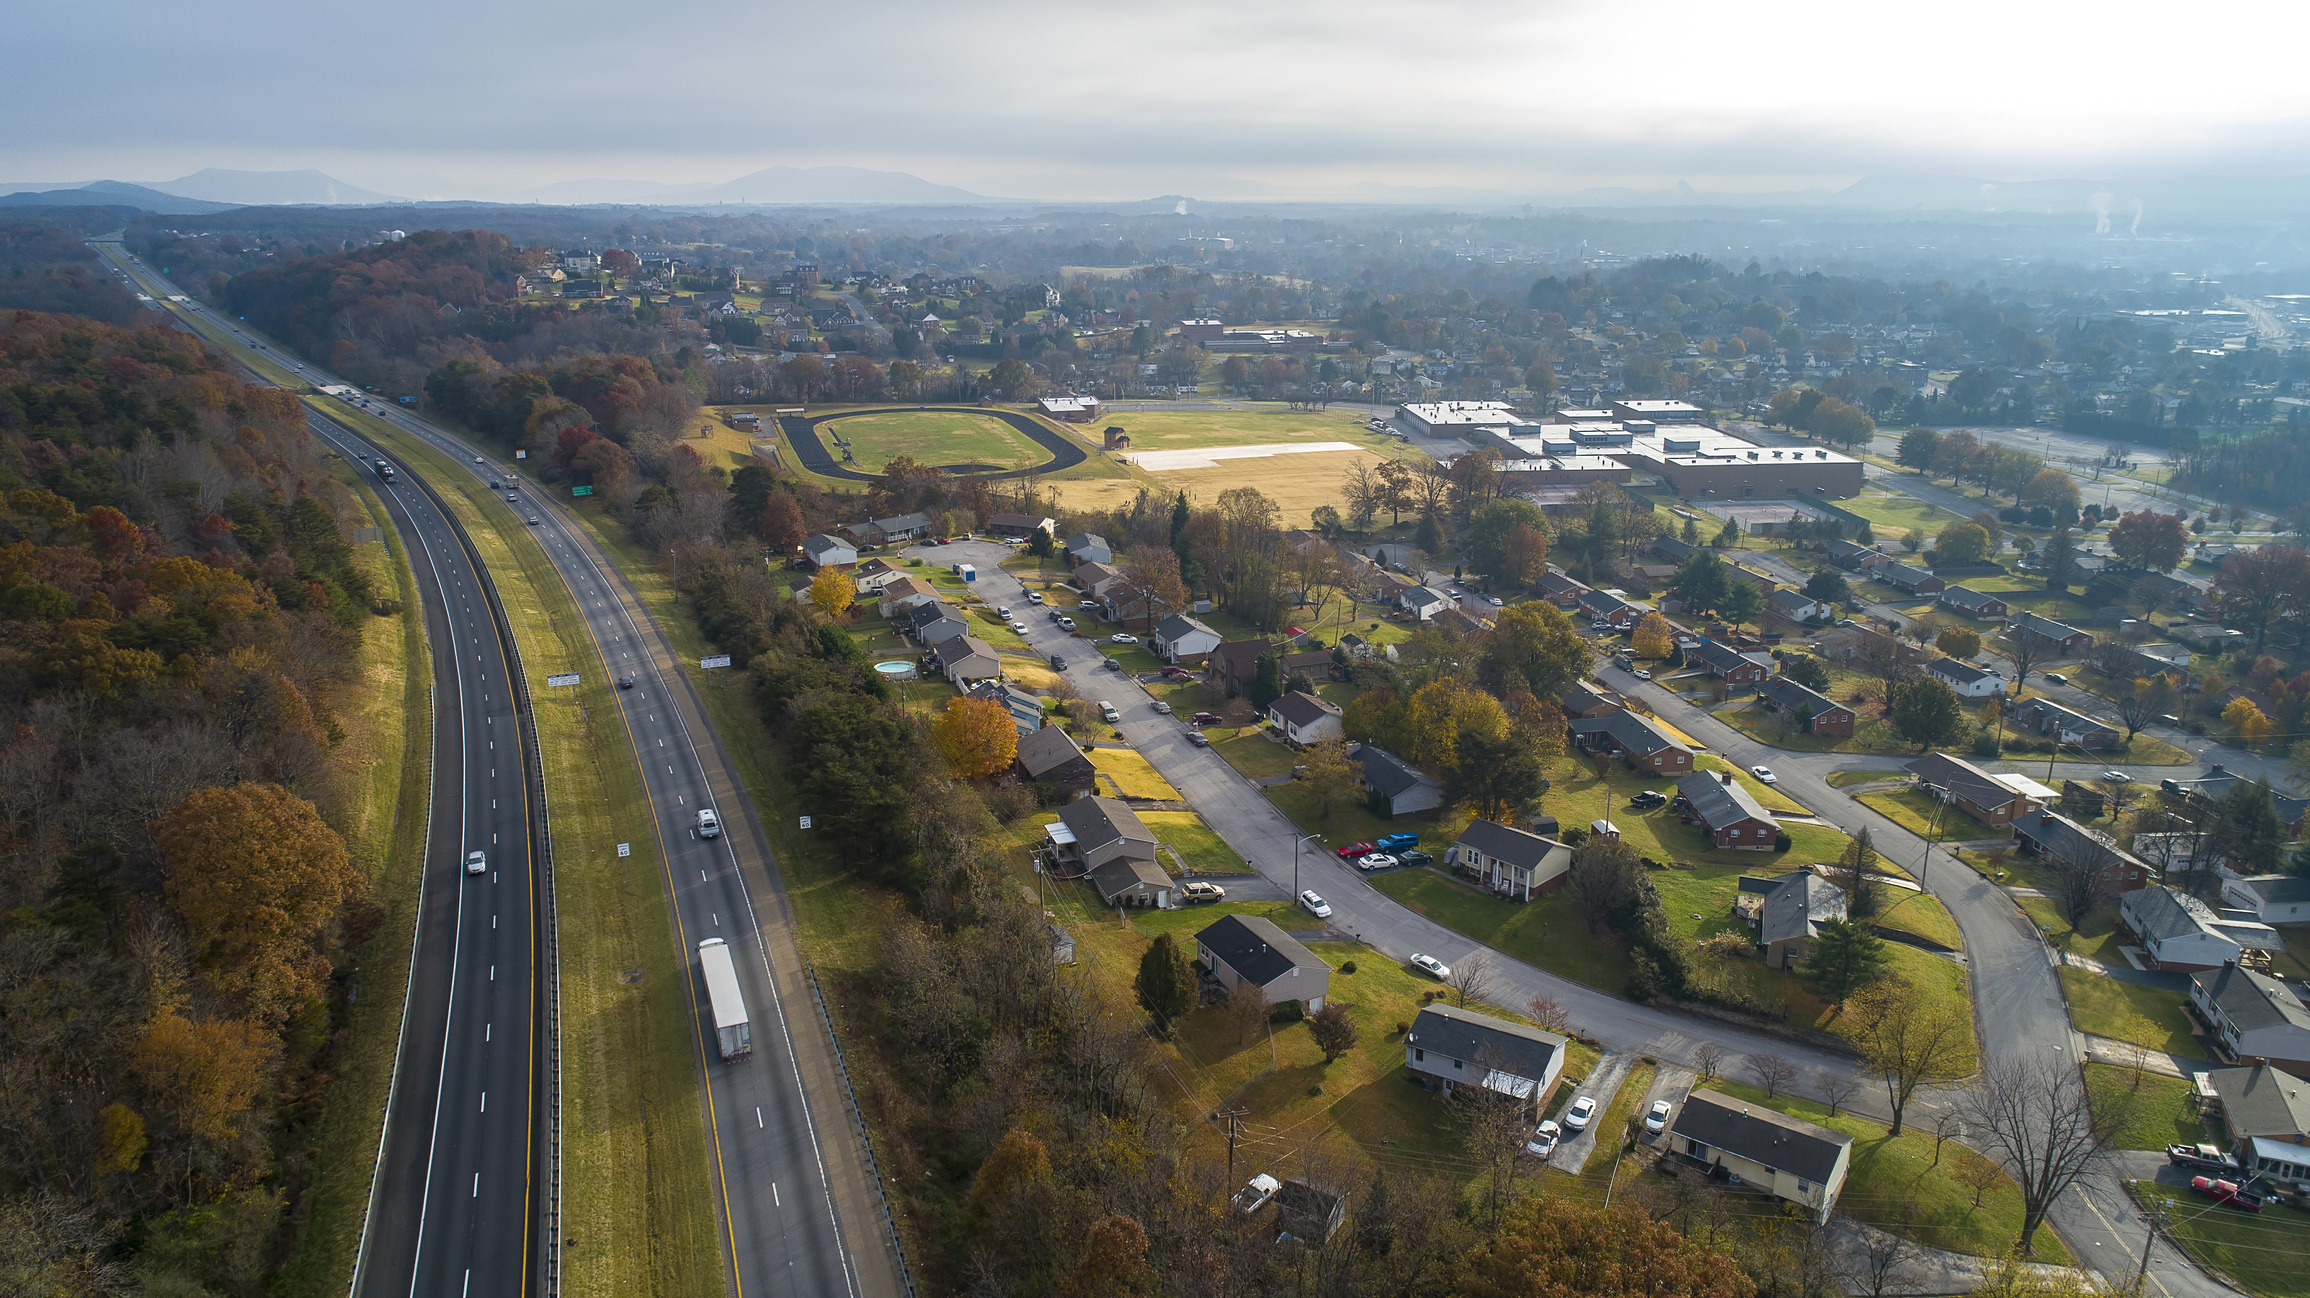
[1298, 479]
[1168, 430]
[945, 438]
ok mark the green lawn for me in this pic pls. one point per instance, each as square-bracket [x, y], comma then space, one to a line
[2145, 1016]
[1197, 844]
[2268, 1253]
[1355, 823]
[1919, 913]
[1892, 515]
[934, 437]
[1912, 809]
[1895, 1185]
[2156, 1108]
[1580, 796]
[1250, 751]
[1183, 429]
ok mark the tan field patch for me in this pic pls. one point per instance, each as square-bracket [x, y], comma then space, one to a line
[1296, 483]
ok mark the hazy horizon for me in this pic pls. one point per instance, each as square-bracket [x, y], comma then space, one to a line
[1042, 102]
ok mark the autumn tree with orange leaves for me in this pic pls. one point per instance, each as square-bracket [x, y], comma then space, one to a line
[975, 736]
[260, 880]
[1550, 1245]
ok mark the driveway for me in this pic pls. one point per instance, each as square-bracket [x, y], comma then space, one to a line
[1600, 1085]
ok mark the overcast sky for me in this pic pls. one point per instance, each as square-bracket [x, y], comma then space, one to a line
[1067, 100]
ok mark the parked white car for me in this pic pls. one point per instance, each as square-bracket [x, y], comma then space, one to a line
[1255, 1193]
[1543, 1141]
[1315, 905]
[1656, 1120]
[1765, 774]
[1120, 638]
[1432, 965]
[1582, 1112]
[1376, 861]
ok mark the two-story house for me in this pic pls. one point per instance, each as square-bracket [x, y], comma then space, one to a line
[1449, 1048]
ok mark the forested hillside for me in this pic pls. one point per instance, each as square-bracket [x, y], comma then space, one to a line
[47, 265]
[177, 604]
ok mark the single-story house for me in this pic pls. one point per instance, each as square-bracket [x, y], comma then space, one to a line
[1050, 756]
[1089, 547]
[1728, 813]
[2049, 635]
[1796, 605]
[2272, 898]
[1511, 862]
[1026, 710]
[1795, 1160]
[1964, 679]
[899, 527]
[1672, 549]
[2267, 1112]
[2131, 662]
[1743, 576]
[1972, 603]
[1182, 639]
[2257, 1018]
[2180, 932]
[1304, 718]
[1640, 740]
[829, 551]
[1019, 524]
[2046, 832]
[1240, 949]
[1095, 578]
[1976, 792]
[1855, 557]
[1405, 788]
[1559, 590]
[934, 623]
[1909, 577]
[1109, 842]
[2293, 812]
[1730, 665]
[1589, 699]
[1308, 1212]
[1788, 912]
[2047, 717]
[966, 658]
[875, 574]
[1606, 607]
[904, 593]
[1423, 602]
[1816, 713]
[1452, 1047]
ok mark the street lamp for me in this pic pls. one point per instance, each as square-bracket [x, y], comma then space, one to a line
[1304, 838]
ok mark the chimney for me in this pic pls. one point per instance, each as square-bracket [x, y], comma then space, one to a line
[1728, 776]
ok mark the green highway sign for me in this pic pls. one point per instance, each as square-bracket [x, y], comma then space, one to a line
[581, 491]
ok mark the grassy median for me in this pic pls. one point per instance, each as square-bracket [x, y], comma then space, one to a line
[635, 1165]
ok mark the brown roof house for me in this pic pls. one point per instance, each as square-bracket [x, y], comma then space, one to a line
[904, 593]
[1049, 756]
[1109, 842]
[1815, 713]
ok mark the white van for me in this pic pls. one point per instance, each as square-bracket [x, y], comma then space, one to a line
[708, 825]
[1107, 712]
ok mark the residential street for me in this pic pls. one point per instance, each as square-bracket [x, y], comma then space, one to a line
[2018, 1000]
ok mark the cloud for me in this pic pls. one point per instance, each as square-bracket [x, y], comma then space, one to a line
[1095, 101]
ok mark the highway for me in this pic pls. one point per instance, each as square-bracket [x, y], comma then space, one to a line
[785, 1176]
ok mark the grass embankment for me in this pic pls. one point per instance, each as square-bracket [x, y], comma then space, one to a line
[1131, 775]
[1922, 814]
[631, 1189]
[1897, 1184]
[2146, 1016]
[1200, 848]
[386, 716]
[2266, 1253]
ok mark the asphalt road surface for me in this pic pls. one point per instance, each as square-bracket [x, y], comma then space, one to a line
[785, 1174]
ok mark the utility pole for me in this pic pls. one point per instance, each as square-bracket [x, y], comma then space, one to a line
[2155, 1219]
[1234, 1120]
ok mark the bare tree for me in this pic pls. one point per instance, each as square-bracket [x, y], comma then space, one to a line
[1907, 1040]
[1708, 1059]
[2025, 653]
[2084, 870]
[1975, 1173]
[1472, 980]
[1550, 1013]
[1873, 1267]
[1771, 1071]
[1245, 1010]
[2036, 1117]
[1497, 1127]
[1838, 1087]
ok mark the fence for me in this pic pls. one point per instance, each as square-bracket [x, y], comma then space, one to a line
[858, 1126]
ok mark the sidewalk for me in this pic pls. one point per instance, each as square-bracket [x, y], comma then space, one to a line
[2124, 1054]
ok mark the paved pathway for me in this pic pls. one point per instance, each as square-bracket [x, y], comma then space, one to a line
[1602, 1084]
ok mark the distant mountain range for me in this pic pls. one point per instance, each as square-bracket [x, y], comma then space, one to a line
[2116, 206]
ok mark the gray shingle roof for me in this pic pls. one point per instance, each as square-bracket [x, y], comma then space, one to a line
[1481, 1039]
[1178, 625]
[1958, 670]
[1507, 843]
[1968, 598]
[2044, 626]
[2251, 1000]
[1256, 949]
[1114, 878]
[1969, 782]
[1100, 821]
[1302, 709]
[2262, 1101]
[2275, 889]
[1387, 772]
[1760, 1135]
[1718, 803]
[1793, 905]
[1634, 732]
[2160, 914]
[1796, 698]
[1045, 751]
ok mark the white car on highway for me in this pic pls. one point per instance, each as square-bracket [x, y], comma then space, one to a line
[475, 862]
[1431, 965]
